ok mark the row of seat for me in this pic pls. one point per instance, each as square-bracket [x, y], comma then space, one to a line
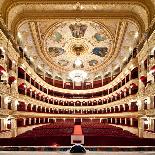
[94, 125]
[54, 129]
[100, 129]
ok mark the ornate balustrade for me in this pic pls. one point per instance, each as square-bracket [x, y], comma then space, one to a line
[127, 85]
[19, 114]
[32, 101]
[127, 70]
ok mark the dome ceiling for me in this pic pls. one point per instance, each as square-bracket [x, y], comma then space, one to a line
[77, 44]
[96, 37]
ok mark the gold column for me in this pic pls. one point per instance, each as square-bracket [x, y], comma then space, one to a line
[14, 127]
[140, 127]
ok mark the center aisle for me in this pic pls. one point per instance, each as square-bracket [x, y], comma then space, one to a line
[77, 130]
[77, 136]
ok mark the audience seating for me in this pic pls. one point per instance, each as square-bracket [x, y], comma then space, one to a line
[100, 129]
[55, 129]
[59, 133]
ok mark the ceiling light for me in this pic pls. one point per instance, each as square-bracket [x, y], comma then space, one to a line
[130, 49]
[78, 75]
[78, 62]
[2, 49]
[124, 59]
[25, 49]
[19, 35]
[31, 59]
[146, 121]
[136, 34]
[39, 67]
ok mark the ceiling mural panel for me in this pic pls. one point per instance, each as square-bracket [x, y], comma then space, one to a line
[55, 51]
[78, 30]
[63, 62]
[100, 51]
[93, 62]
[99, 37]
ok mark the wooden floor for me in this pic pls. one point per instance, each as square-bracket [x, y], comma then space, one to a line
[67, 153]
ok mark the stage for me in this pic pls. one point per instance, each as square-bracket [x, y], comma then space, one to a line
[67, 153]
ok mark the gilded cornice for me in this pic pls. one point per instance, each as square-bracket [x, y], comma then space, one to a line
[147, 47]
[4, 89]
[148, 6]
[62, 15]
[19, 114]
[11, 53]
[5, 112]
[149, 113]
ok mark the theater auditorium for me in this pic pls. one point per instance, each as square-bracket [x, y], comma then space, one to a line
[77, 72]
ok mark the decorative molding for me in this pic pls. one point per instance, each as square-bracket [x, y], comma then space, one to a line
[138, 4]
[32, 101]
[84, 92]
[4, 88]
[46, 115]
[132, 64]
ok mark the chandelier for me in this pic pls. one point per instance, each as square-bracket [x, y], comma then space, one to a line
[78, 75]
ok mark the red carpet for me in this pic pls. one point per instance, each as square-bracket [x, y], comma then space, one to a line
[77, 130]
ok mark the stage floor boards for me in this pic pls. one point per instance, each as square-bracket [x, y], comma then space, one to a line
[67, 153]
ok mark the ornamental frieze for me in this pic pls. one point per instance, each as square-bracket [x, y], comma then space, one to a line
[19, 114]
[4, 88]
[121, 76]
[150, 112]
[150, 89]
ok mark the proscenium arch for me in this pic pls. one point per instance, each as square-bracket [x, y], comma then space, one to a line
[142, 5]
[7, 4]
[36, 16]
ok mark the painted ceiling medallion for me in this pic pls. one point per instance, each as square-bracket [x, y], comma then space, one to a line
[78, 49]
[55, 51]
[69, 40]
[100, 51]
[78, 30]
[99, 37]
[63, 62]
[93, 62]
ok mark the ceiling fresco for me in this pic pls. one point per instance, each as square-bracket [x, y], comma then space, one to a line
[83, 40]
